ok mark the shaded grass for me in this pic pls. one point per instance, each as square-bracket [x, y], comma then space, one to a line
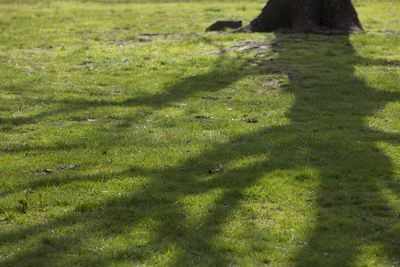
[313, 183]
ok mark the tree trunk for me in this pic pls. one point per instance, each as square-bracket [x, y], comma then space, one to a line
[317, 16]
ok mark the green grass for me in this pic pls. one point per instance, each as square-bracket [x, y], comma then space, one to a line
[315, 182]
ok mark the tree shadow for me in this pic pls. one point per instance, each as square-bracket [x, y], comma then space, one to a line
[327, 132]
[354, 211]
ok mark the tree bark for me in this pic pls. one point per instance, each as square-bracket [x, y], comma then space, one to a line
[317, 16]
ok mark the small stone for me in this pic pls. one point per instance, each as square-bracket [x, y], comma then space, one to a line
[221, 25]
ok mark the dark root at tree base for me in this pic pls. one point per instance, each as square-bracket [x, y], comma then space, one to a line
[308, 16]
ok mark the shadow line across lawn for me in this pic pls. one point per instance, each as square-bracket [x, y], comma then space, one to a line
[327, 132]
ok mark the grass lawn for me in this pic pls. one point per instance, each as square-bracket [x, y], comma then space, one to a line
[128, 136]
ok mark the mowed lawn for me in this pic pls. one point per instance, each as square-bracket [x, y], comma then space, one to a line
[129, 136]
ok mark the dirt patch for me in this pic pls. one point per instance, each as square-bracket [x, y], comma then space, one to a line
[391, 32]
[250, 120]
[170, 36]
[144, 38]
[260, 48]
[203, 118]
[210, 98]
[58, 169]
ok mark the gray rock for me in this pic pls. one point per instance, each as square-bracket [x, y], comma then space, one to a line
[221, 25]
